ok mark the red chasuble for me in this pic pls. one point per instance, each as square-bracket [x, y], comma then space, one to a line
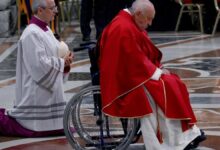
[128, 59]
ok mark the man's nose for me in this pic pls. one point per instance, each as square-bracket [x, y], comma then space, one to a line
[56, 11]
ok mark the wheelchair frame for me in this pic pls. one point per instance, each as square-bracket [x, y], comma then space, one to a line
[105, 137]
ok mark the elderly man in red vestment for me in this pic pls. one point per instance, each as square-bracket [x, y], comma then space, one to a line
[135, 84]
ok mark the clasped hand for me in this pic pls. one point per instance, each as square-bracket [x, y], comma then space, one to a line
[68, 58]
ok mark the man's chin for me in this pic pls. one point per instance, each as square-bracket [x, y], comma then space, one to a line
[144, 27]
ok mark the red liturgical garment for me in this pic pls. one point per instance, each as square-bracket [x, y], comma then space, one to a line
[128, 59]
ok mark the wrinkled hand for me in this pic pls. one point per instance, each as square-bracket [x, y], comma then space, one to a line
[68, 58]
[165, 71]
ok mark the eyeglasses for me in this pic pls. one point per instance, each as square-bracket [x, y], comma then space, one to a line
[53, 8]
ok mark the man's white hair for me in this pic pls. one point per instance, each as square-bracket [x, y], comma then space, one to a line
[38, 3]
[141, 5]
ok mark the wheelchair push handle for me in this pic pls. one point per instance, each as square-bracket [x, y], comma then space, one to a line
[85, 46]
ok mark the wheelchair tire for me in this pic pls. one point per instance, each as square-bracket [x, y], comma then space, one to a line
[85, 130]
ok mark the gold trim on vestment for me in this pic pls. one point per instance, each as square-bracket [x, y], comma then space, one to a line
[125, 93]
[165, 97]
[165, 111]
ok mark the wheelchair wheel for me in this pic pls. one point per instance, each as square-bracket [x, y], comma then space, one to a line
[86, 127]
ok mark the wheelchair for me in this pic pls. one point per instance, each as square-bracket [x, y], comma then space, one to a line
[87, 127]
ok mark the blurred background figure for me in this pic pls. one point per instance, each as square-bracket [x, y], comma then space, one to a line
[86, 13]
[102, 11]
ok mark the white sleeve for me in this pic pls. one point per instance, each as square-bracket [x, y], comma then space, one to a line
[157, 74]
[44, 68]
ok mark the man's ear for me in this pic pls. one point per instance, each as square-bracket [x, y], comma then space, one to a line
[138, 13]
[39, 10]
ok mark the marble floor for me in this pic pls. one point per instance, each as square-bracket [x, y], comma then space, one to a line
[193, 56]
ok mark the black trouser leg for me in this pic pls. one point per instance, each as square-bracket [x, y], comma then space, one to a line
[86, 13]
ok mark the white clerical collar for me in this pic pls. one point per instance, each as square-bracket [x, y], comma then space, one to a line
[127, 10]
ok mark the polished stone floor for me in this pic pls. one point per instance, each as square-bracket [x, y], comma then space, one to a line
[193, 56]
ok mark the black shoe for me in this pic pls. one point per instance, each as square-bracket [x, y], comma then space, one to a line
[195, 143]
[86, 38]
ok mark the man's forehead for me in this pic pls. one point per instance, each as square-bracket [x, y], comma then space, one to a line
[50, 2]
[150, 12]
